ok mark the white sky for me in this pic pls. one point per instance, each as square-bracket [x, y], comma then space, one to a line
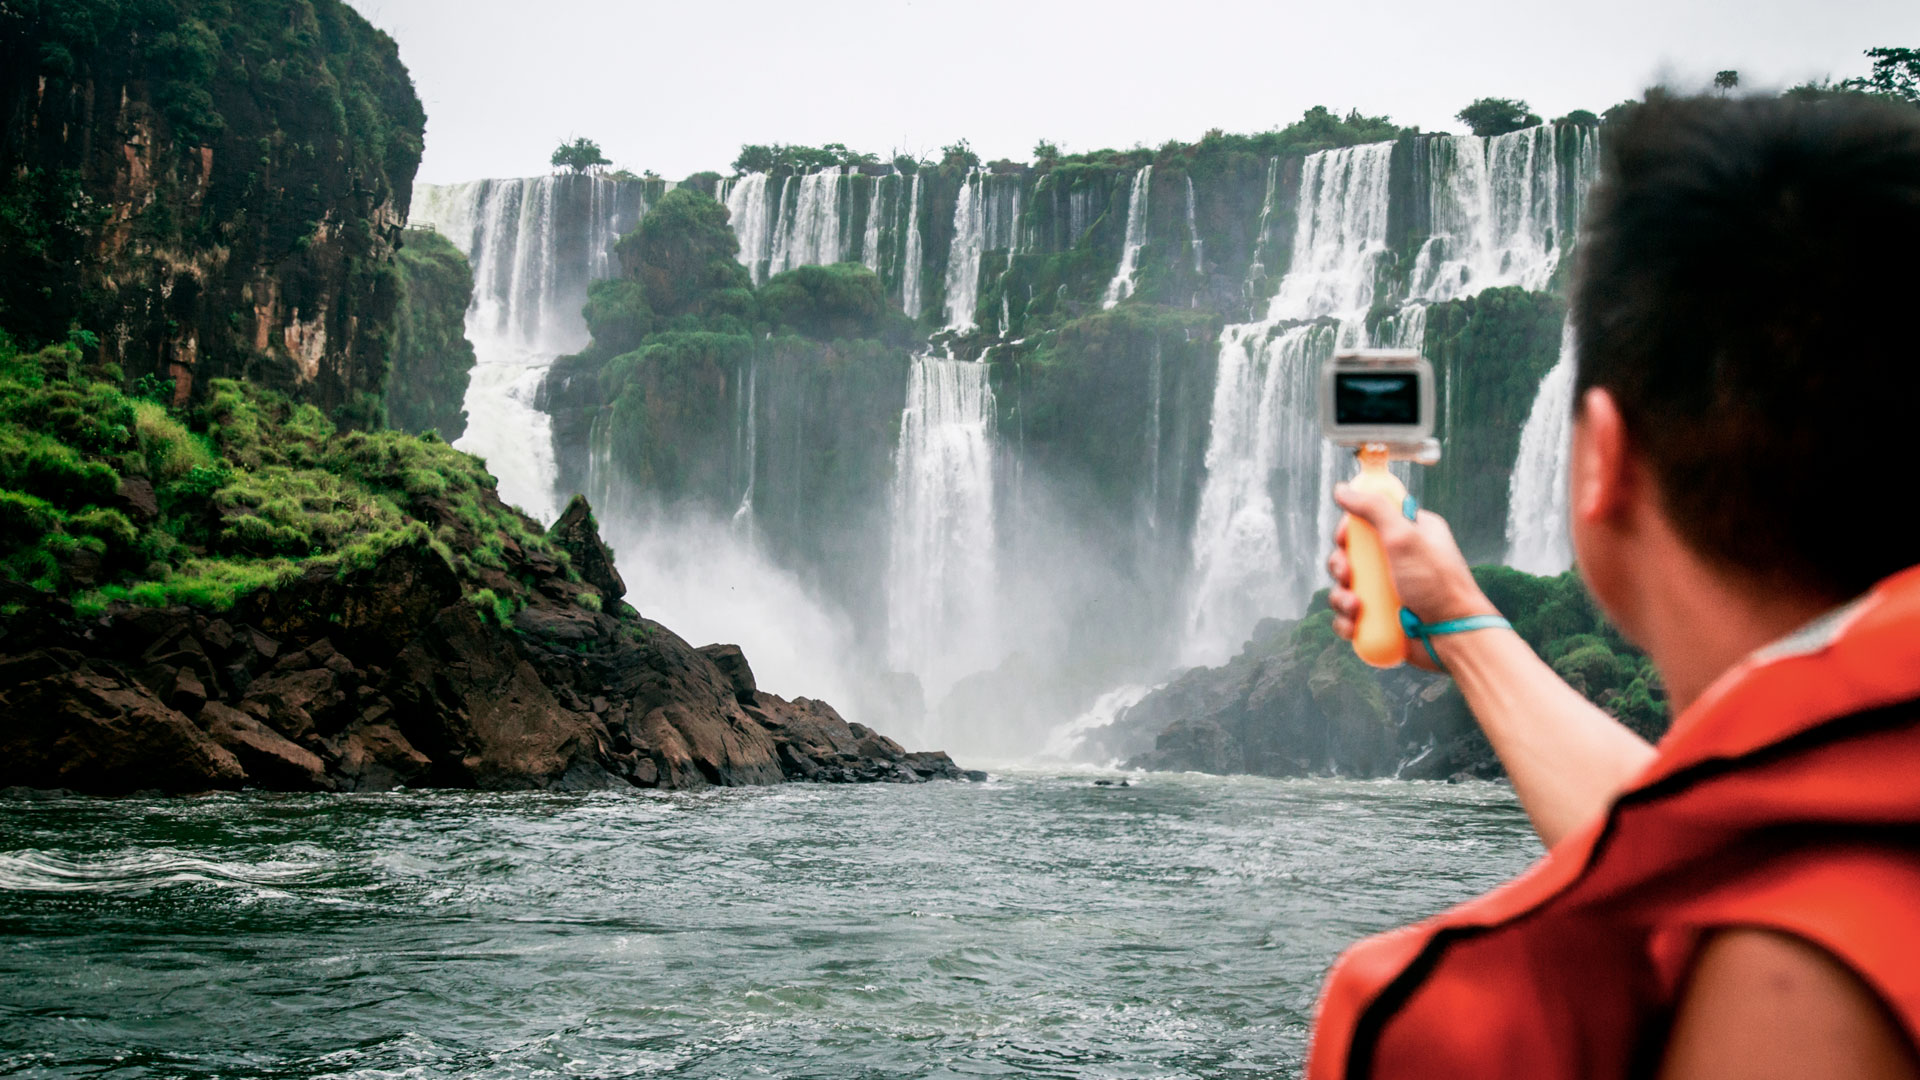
[677, 87]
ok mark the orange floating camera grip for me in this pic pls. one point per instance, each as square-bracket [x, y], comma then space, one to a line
[1378, 638]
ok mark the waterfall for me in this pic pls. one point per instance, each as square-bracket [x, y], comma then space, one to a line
[985, 218]
[534, 245]
[1257, 268]
[753, 219]
[870, 236]
[1266, 507]
[910, 300]
[1503, 210]
[1193, 231]
[963, 258]
[808, 231]
[1122, 284]
[747, 445]
[1537, 539]
[941, 573]
[1156, 422]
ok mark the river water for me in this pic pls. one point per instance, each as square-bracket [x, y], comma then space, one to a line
[1033, 925]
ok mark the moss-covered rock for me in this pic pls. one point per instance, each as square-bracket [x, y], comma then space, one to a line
[432, 358]
[1490, 352]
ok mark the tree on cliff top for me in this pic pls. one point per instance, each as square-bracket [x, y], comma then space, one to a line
[581, 155]
[1496, 116]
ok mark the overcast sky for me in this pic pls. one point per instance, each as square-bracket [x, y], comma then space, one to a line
[677, 87]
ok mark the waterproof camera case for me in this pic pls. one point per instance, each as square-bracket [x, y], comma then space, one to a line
[1380, 402]
[1380, 397]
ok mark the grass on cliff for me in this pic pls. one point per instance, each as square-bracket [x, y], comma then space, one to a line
[105, 495]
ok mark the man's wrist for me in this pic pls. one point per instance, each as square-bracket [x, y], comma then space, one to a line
[1465, 604]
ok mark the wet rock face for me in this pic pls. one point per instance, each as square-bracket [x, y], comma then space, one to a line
[387, 676]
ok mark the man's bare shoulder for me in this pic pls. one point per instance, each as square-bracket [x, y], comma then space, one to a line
[1761, 1004]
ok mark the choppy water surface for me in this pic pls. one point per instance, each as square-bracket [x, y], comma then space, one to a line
[1035, 925]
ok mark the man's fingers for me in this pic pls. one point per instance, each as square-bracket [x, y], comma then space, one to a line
[1339, 568]
[1343, 627]
[1344, 602]
[1376, 510]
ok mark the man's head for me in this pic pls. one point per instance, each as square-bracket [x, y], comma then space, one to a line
[1746, 306]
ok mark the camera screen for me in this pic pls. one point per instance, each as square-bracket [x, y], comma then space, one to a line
[1376, 397]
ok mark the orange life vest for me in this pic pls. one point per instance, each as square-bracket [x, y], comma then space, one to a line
[1787, 798]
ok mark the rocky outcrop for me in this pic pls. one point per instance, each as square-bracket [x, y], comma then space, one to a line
[386, 675]
[1296, 702]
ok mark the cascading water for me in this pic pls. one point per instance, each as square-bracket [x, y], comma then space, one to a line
[910, 299]
[870, 234]
[1193, 231]
[985, 218]
[749, 451]
[941, 576]
[1122, 284]
[534, 245]
[1266, 507]
[810, 230]
[753, 216]
[1503, 210]
[1537, 539]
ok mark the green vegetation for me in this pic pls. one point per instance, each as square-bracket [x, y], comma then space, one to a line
[265, 144]
[801, 159]
[1895, 75]
[832, 303]
[582, 155]
[1490, 351]
[106, 497]
[432, 358]
[684, 258]
[1559, 619]
[1496, 116]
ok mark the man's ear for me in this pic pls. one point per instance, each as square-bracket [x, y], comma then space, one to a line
[1603, 475]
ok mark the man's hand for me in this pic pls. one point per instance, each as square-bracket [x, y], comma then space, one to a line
[1428, 570]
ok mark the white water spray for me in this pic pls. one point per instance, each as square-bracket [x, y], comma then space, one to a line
[534, 245]
[941, 577]
[1537, 539]
[1122, 285]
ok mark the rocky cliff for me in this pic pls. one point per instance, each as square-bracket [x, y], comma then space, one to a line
[243, 594]
[213, 191]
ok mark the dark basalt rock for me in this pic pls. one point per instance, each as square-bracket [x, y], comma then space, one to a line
[1299, 704]
[579, 537]
[733, 664]
[386, 676]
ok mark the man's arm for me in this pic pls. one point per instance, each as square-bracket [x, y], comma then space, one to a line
[1567, 758]
[1761, 1005]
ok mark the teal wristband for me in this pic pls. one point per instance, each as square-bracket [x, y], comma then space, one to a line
[1426, 632]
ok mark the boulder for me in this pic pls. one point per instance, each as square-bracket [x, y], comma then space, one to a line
[734, 668]
[377, 757]
[270, 759]
[92, 729]
[577, 534]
